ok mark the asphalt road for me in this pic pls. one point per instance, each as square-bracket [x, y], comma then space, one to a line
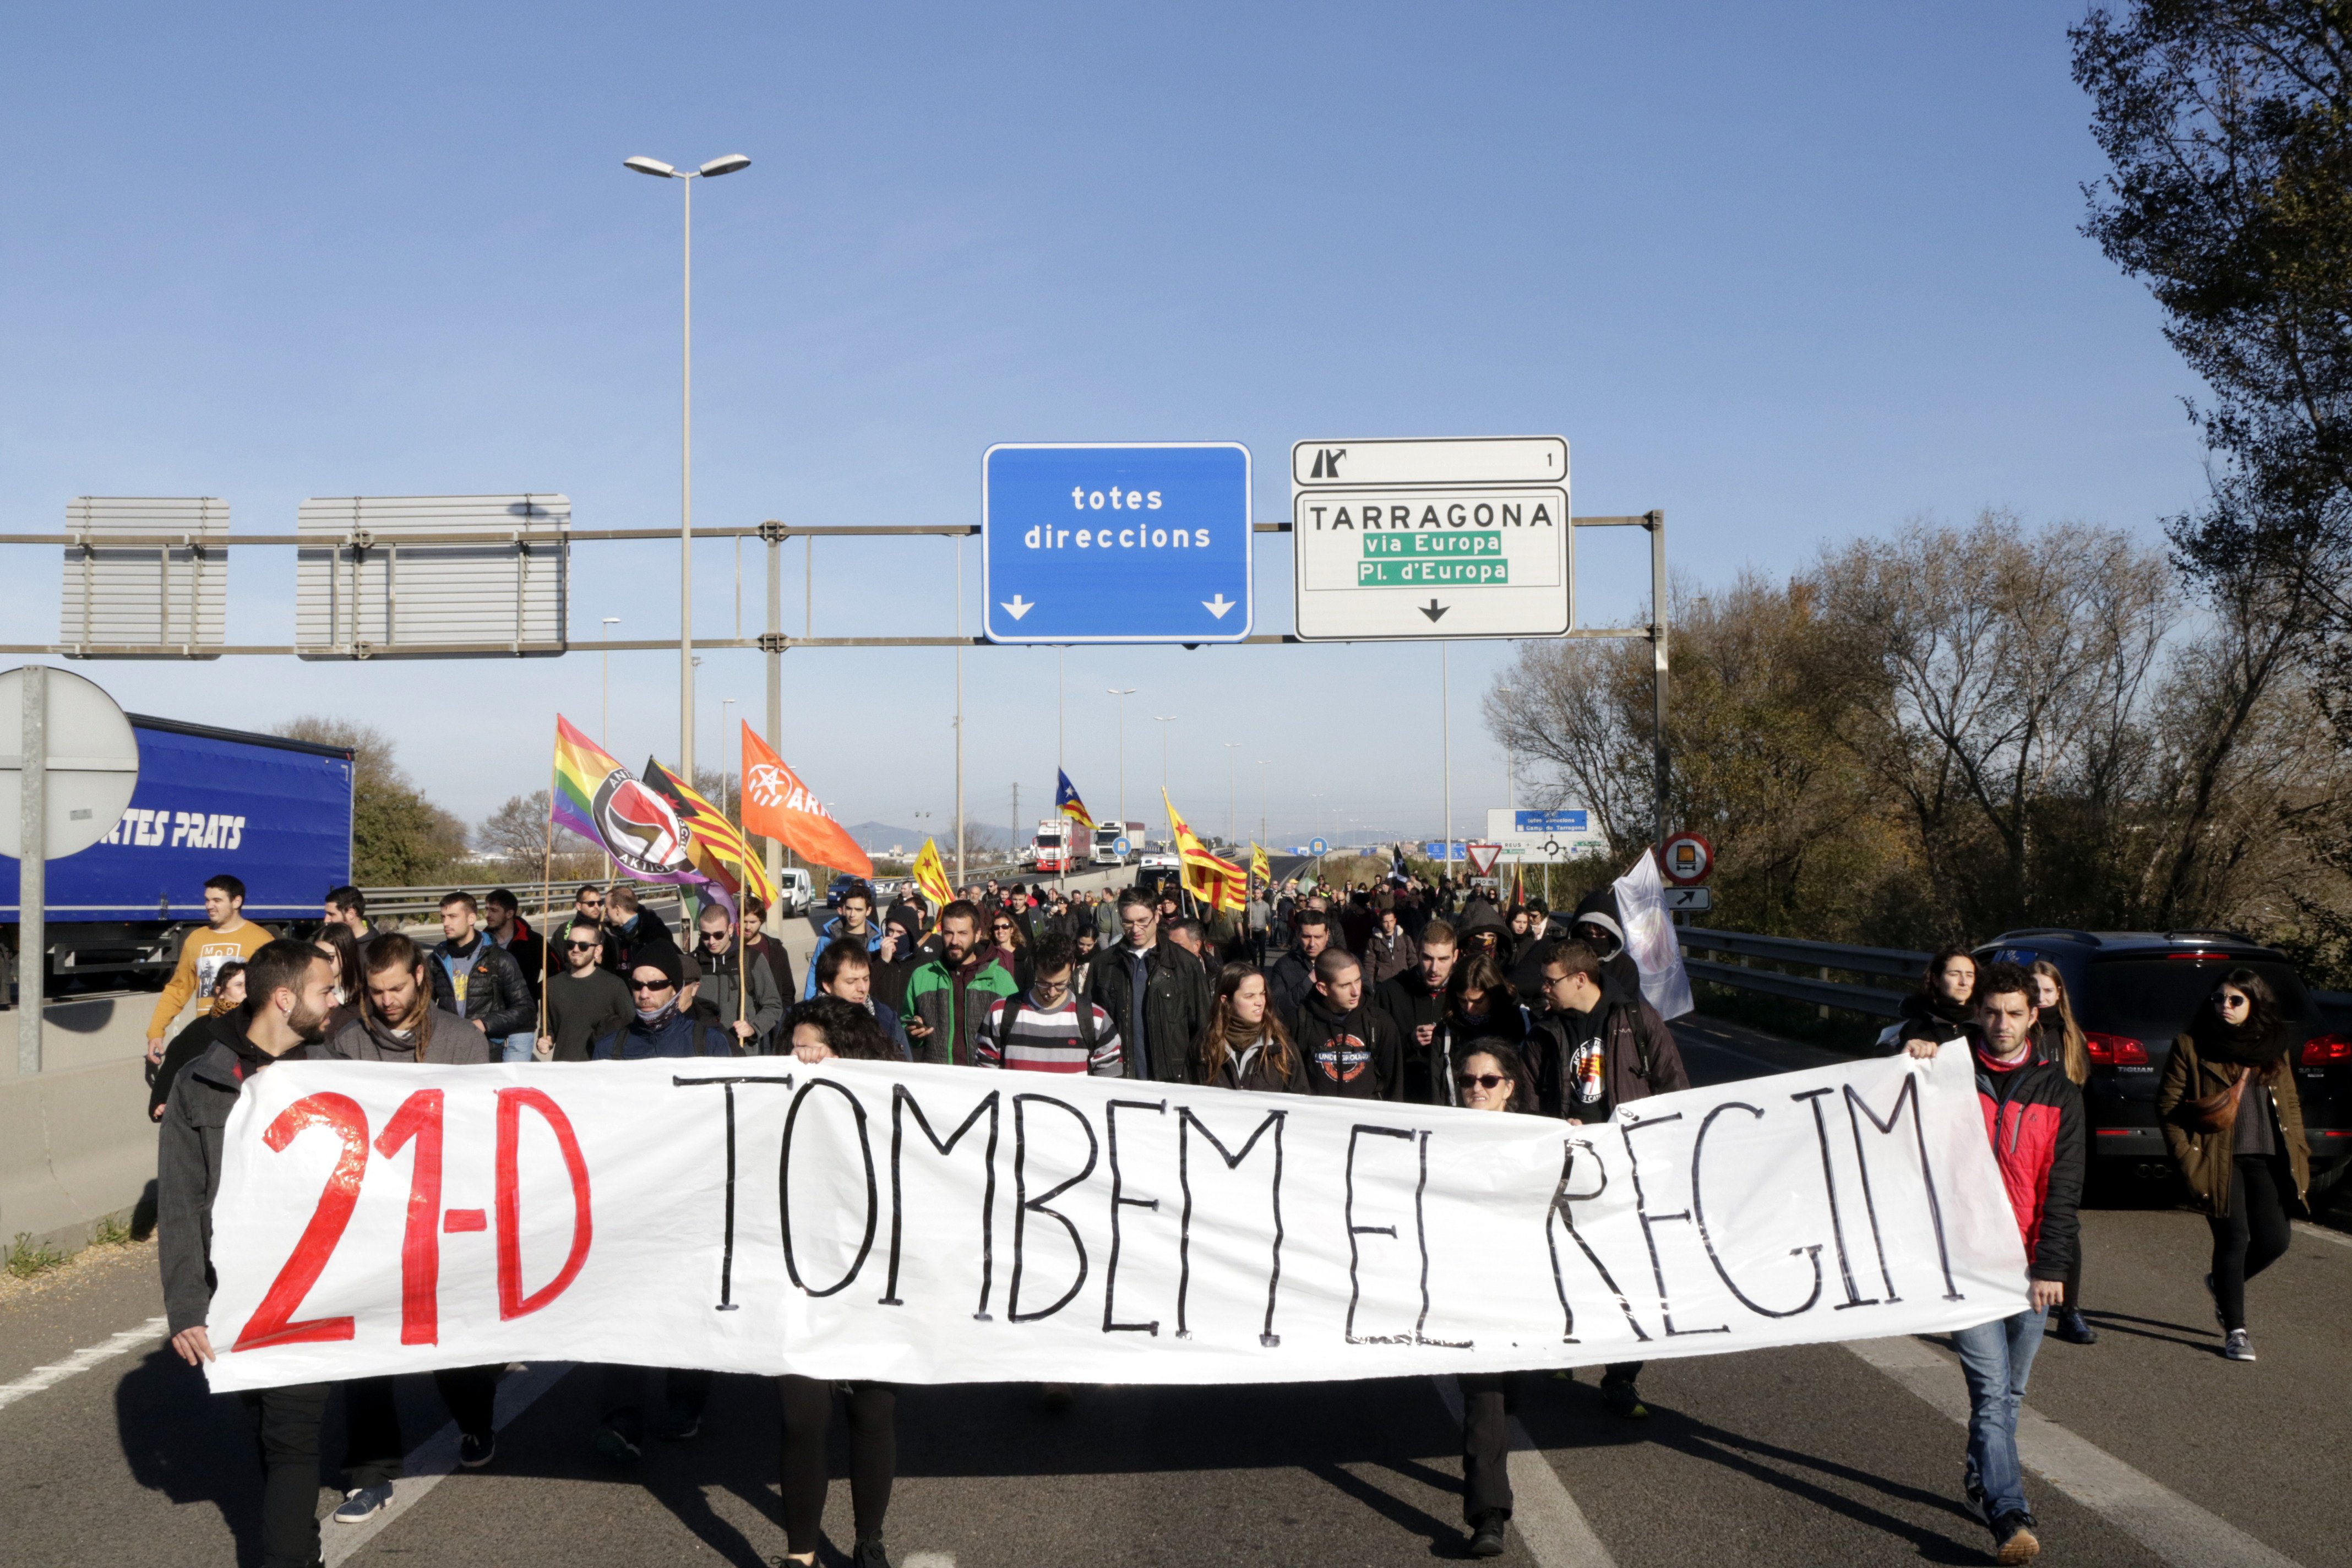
[2152, 1449]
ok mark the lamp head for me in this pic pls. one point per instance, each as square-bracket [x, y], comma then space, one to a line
[726, 165]
[654, 166]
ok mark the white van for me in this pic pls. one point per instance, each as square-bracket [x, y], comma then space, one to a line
[794, 891]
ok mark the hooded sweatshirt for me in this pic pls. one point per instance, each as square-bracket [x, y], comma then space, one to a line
[1355, 1054]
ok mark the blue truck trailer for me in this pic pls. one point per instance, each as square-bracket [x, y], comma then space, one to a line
[274, 813]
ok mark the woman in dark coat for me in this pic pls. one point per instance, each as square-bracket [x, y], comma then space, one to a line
[2235, 1128]
[1244, 1046]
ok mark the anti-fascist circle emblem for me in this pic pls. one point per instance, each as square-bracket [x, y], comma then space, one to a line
[639, 827]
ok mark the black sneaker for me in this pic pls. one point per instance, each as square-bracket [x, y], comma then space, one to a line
[2071, 1327]
[869, 1553]
[617, 1447]
[473, 1452]
[2013, 1539]
[1977, 1501]
[682, 1428]
[1624, 1402]
[1487, 1535]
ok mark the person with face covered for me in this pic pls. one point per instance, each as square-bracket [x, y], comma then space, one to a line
[1598, 925]
[398, 1021]
[291, 987]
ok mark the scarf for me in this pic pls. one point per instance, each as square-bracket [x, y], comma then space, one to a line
[2243, 1044]
[659, 1015]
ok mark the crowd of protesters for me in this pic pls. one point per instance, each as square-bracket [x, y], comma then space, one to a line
[1407, 992]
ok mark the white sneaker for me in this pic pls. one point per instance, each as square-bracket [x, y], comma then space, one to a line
[2238, 1346]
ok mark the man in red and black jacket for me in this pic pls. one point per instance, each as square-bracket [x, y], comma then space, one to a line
[2033, 1114]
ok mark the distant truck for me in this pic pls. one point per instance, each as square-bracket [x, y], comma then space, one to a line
[275, 813]
[1051, 850]
[1107, 837]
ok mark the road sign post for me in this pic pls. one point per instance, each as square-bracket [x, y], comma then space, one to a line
[1117, 544]
[1436, 539]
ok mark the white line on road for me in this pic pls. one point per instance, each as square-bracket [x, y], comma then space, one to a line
[57, 1371]
[431, 1461]
[2153, 1514]
[2321, 1233]
[1542, 1509]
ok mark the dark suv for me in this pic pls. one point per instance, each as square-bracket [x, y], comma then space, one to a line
[2134, 991]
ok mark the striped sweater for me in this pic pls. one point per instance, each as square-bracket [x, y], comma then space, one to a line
[1044, 1041]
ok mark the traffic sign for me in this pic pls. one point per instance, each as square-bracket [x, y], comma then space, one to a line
[1687, 860]
[1544, 838]
[1483, 856]
[1120, 847]
[1436, 850]
[1449, 538]
[1107, 543]
[1317, 846]
[1689, 900]
[83, 763]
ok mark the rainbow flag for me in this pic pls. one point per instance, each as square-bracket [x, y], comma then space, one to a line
[595, 797]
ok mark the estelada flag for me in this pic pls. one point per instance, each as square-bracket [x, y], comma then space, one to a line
[778, 806]
[712, 842]
[1067, 801]
[931, 876]
[1215, 880]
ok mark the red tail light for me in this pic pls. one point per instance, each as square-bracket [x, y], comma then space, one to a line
[2326, 1050]
[2114, 1050]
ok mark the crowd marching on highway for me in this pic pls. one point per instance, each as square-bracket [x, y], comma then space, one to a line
[1408, 991]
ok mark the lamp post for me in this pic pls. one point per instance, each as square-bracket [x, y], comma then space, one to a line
[605, 734]
[1165, 719]
[1261, 800]
[710, 171]
[725, 730]
[1232, 792]
[1122, 694]
[1510, 773]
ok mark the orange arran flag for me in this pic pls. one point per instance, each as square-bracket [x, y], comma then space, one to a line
[777, 806]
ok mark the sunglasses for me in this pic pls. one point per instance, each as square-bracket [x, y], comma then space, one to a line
[649, 986]
[1488, 1080]
[582, 946]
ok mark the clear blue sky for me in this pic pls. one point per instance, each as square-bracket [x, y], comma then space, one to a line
[1791, 274]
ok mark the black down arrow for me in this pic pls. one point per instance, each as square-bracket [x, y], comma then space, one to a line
[1433, 609]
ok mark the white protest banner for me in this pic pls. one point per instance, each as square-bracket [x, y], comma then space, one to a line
[945, 1225]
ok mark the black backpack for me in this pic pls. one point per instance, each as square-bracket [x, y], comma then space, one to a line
[1012, 1010]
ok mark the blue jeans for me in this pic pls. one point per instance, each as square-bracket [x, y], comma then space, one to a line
[1997, 1358]
[517, 1047]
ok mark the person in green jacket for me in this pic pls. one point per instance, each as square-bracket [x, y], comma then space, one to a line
[948, 996]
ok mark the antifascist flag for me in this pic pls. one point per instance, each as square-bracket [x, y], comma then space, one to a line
[597, 798]
[712, 839]
[1067, 801]
[1215, 880]
[778, 806]
[931, 876]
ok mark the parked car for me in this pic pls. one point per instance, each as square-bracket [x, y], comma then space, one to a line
[2134, 991]
[794, 890]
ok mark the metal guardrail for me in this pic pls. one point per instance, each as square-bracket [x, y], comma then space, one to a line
[1822, 956]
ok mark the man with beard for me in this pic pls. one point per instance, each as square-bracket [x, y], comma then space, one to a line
[398, 1022]
[1417, 1001]
[948, 995]
[291, 988]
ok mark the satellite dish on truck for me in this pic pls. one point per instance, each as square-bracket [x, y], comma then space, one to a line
[63, 787]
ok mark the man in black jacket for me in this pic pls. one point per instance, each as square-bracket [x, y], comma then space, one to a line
[291, 988]
[1600, 1047]
[587, 1001]
[1349, 1049]
[1291, 981]
[1417, 1001]
[479, 981]
[1156, 994]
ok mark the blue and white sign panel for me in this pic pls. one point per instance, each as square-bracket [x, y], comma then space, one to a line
[1437, 851]
[1318, 848]
[1548, 822]
[1106, 543]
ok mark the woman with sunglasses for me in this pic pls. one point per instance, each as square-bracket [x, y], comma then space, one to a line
[817, 1031]
[2235, 1128]
[1490, 1078]
[1009, 945]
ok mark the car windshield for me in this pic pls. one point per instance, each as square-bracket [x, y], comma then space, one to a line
[2155, 997]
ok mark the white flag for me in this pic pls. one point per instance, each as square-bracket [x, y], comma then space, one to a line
[1650, 938]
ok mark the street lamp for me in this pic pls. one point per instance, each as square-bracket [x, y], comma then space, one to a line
[1122, 694]
[1165, 719]
[1510, 790]
[1262, 776]
[1232, 791]
[725, 730]
[710, 171]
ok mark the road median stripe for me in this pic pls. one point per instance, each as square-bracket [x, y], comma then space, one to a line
[1543, 1511]
[2151, 1513]
[147, 1334]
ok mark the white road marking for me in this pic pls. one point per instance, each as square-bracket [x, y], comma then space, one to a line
[929, 1560]
[432, 1461]
[1542, 1509]
[2321, 1233]
[150, 1332]
[2149, 1511]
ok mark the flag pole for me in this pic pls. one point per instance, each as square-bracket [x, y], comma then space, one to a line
[546, 902]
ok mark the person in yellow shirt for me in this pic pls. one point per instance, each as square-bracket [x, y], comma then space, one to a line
[227, 935]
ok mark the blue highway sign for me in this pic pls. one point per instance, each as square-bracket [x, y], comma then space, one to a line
[1550, 822]
[1105, 543]
[1318, 848]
